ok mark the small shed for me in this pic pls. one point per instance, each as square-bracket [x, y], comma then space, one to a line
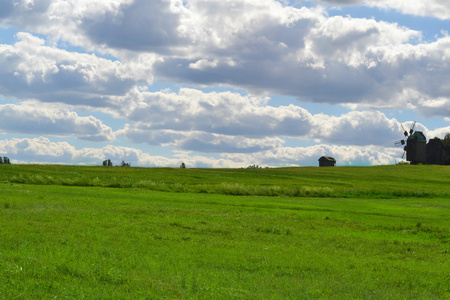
[327, 161]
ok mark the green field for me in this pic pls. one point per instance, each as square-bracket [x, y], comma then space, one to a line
[286, 233]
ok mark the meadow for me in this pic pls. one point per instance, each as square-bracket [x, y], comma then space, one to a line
[76, 232]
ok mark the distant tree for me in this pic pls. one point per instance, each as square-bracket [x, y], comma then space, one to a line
[254, 167]
[107, 163]
[124, 164]
[183, 166]
[5, 161]
[447, 148]
[1, 161]
[447, 140]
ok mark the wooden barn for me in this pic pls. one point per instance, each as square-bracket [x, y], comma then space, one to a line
[436, 152]
[416, 148]
[327, 161]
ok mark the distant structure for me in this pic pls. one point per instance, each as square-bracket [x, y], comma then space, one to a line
[416, 148]
[327, 161]
[435, 152]
[107, 163]
[418, 151]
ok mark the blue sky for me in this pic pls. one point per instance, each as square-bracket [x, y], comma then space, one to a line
[216, 83]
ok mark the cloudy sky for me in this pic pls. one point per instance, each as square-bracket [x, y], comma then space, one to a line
[220, 83]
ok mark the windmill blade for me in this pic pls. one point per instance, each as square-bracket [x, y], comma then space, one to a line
[400, 142]
[412, 128]
[404, 131]
[403, 155]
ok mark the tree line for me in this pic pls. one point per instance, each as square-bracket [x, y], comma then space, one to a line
[4, 161]
[108, 163]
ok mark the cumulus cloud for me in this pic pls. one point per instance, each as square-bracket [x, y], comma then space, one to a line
[308, 156]
[223, 113]
[32, 69]
[210, 122]
[262, 46]
[356, 128]
[195, 120]
[25, 12]
[304, 53]
[199, 141]
[341, 2]
[37, 150]
[233, 123]
[40, 119]
[42, 150]
[131, 26]
[424, 8]
[439, 132]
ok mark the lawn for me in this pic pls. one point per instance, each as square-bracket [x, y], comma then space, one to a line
[287, 233]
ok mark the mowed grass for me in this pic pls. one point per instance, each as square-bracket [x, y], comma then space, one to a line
[288, 233]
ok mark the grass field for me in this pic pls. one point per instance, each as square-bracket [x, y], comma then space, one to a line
[288, 233]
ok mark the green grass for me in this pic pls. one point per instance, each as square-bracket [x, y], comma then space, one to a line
[379, 182]
[288, 233]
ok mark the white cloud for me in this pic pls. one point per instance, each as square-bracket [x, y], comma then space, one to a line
[31, 69]
[356, 128]
[341, 2]
[211, 122]
[308, 156]
[224, 113]
[426, 8]
[42, 150]
[37, 150]
[439, 132]
[230, 122]
[41, 119]
[316, 58]
[262, 46]
[203, 64]
[199, 141]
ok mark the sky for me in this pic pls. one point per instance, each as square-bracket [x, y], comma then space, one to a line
[220, 83]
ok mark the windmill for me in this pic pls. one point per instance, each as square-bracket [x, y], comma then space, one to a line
[414, 145]
[407, 134]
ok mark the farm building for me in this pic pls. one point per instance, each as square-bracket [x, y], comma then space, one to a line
[416, 148]
[436, 152]
[327, 161]
[418, 151]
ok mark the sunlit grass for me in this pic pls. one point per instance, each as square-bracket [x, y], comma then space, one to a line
[372, 182]
[182, 234]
